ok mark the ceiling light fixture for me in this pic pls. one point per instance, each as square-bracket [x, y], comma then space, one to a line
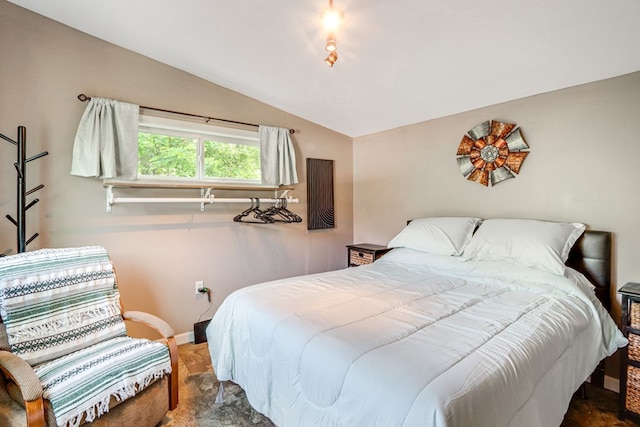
[331, 19]
[331, 59]
[331, 43]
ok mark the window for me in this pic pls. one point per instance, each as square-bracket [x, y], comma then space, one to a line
[172, 149]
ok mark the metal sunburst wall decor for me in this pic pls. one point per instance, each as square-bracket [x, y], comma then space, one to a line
[492, 152]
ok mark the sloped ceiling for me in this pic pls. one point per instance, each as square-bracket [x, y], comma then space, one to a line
[400, 62]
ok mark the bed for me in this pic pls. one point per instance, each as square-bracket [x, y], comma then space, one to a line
[465, 322]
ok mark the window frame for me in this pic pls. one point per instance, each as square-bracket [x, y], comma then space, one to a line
[201, 132]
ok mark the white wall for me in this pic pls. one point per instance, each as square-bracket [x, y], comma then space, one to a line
[159, 250]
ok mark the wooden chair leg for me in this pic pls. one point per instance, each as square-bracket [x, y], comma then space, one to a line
[35, 413]
[173, 377]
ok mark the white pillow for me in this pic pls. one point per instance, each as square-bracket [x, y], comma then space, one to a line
[539, 244]
[440, 236]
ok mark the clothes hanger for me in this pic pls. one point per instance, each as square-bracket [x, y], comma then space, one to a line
[279, 212]
[257, 213]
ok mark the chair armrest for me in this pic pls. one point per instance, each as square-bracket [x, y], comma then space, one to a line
[22, 374]
[29, 384]
[150, 320]
[167, 332]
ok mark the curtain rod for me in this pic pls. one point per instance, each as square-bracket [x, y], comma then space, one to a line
[82, 97]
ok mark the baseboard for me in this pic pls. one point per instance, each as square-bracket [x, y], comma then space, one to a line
[184, 338]
[612, 384]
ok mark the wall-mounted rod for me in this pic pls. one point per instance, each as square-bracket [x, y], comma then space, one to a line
[206, 198]
[82, 97]
[209, 200]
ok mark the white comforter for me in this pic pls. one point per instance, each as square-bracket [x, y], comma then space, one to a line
[413, 340]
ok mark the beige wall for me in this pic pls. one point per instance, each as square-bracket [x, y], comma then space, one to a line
[159, 250]
[583, 166]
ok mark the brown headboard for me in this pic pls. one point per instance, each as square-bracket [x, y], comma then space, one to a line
[591, 255]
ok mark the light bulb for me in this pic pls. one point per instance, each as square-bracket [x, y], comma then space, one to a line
[331, 19]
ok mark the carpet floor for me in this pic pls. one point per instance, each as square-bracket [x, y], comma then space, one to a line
[198, 388]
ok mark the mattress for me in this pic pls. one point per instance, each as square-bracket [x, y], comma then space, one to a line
[413, 339]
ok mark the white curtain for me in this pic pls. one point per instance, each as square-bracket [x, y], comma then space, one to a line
[106, 144]
[277, 157]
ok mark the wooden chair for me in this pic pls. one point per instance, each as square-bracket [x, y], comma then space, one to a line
[64, 352]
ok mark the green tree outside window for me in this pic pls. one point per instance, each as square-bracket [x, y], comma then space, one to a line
[176, 156]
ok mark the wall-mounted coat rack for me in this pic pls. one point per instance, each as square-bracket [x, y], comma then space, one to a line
[20, 220]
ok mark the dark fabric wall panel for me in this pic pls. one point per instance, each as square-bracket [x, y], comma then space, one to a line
[320, 210]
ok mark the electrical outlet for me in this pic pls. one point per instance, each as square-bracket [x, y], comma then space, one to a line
[199, 285]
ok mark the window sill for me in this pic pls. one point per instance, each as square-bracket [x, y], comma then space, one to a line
[190, 184]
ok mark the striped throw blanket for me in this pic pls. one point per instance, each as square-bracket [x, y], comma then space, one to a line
[55, 301]
[82, 383]
[61, 310]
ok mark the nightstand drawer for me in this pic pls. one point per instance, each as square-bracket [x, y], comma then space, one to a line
[634, 347]
[364, 253]
[359, 258]
[633, 390]
[634, 314]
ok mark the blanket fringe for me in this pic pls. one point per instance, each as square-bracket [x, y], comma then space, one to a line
[52, 327]
[102, 407]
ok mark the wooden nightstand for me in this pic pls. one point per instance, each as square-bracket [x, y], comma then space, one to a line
[364, 253]
[629, 403]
